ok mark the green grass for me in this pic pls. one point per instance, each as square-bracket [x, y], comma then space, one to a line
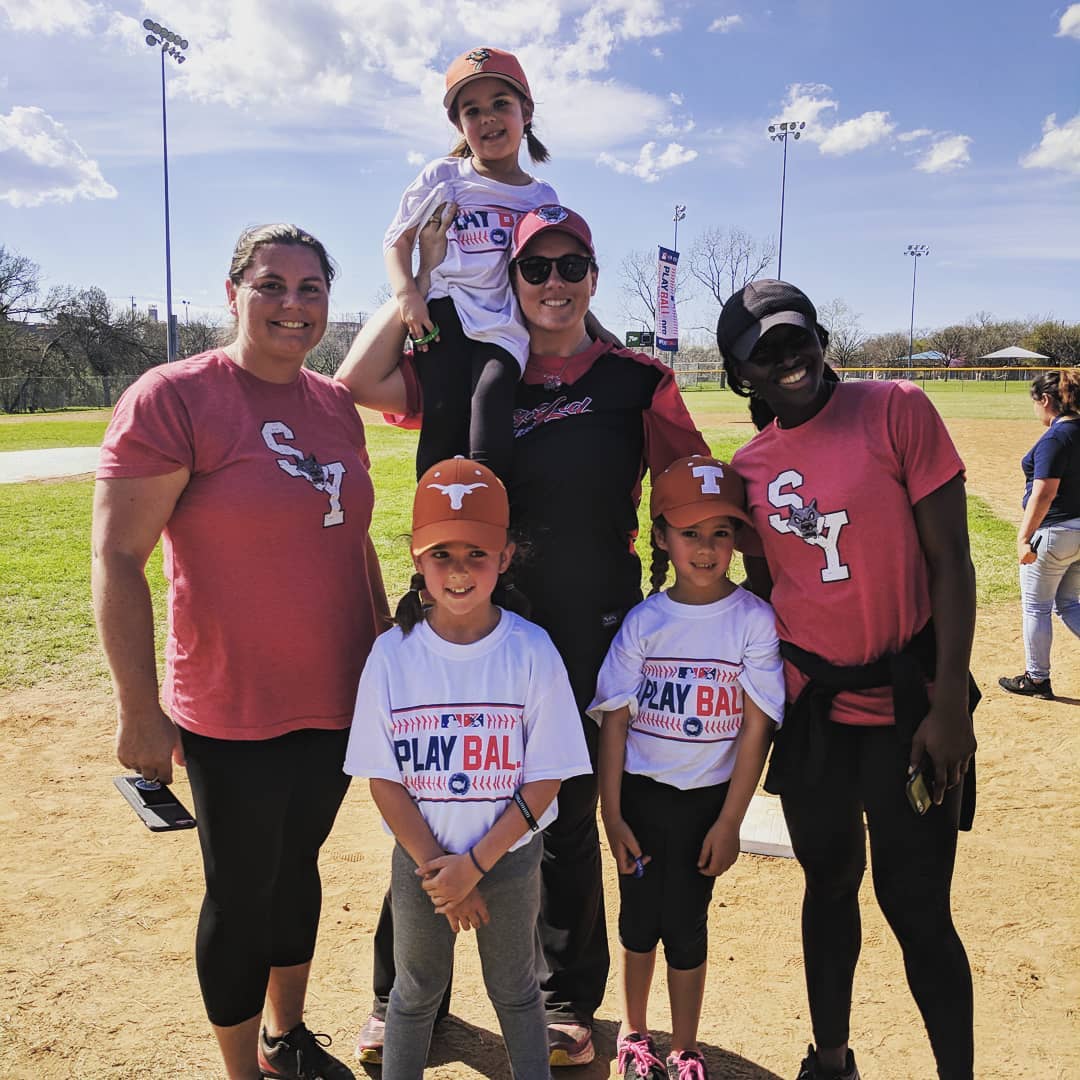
[39, 434]
[46, 618]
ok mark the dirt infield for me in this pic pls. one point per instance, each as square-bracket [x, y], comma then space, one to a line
[98, 931]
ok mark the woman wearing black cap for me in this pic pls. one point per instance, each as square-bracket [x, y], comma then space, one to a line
[857, 494]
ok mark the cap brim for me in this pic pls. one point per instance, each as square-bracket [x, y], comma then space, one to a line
[558, 226]
[448, 97]
[745, 342]
[478, 533]
[681, 517]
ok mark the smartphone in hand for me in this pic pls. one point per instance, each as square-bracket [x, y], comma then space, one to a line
[158, 808]
[918, 788]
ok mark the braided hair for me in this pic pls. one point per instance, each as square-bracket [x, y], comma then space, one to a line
[661, 560]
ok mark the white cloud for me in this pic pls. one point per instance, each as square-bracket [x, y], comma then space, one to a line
[674, 98]
[649, 164]
[41, 163]
[415, 158]
[725, 23]
[675, 126]
[857, 134]
[946, 154]
[910, 136]
[50, 16]
[1070, 23]
[806, 102]
[657, 52]
[1059, 148]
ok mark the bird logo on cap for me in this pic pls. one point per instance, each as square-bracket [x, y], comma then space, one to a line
[552, 214]
[478, 58]
[456, 492]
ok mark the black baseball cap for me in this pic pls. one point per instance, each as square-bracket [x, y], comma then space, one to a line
[756, 308]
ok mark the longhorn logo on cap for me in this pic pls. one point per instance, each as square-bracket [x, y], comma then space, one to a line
[456, 492]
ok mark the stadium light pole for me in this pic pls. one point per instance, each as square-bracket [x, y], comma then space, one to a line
[779, 133]
[170, 44]
[680, 214]
[916, 251]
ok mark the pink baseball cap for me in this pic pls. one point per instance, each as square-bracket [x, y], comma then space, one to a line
[484, 62]
[561, 218]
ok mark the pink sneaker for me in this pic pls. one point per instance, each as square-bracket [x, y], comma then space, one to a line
[637, 1058]
[686, 1065]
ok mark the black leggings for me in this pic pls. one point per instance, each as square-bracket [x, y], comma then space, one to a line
[468, 389]
[912, 863]
[264, 809]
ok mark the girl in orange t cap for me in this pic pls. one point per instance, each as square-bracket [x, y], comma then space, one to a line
[687, 699]
[465, 725]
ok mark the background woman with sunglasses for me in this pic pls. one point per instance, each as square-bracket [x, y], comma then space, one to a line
[589, 419]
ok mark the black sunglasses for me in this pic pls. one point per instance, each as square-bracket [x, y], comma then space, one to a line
[536, 269]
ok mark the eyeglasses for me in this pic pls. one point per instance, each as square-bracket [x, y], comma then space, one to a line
[536, 269]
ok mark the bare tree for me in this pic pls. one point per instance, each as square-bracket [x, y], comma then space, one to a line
[381, 295]
[725, 261]
[846, 336]
[637, 282]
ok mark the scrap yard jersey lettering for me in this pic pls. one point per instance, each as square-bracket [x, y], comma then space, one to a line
[459, 753]
[689, 700]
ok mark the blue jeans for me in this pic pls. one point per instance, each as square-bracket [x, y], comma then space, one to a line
[1051, 583]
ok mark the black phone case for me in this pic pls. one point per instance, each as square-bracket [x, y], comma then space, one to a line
[159, 809]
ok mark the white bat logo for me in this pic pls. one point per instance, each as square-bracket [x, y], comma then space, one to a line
[456, 492]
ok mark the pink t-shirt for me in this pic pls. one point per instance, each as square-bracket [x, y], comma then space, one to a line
[832, 502]
[273, 605]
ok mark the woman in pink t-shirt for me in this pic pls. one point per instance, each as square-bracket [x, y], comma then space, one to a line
[252, 470]
[857, 494]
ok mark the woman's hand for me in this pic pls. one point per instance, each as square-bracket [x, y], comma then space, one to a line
[149, 745]
[432, 242]
[624, 846]
[720, 848]
[947, 738]
[1024, 553]
[448, 880]
[470, 914]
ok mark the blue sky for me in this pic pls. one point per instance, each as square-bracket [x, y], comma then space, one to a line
[952, 124]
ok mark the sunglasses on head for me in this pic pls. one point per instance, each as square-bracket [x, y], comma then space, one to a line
[536, 269]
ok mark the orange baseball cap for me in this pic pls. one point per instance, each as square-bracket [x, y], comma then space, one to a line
[695, 488]
[484, 62]
[459, 499]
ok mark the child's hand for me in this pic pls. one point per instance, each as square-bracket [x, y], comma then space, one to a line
[624, 846]
[720, 849]
[448, 880]
[470, 914]
[415, 316]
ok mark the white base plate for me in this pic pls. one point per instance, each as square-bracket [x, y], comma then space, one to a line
[764, 831]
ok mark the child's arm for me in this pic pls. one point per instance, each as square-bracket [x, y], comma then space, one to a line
[410, 302]
[721, 846]
[448, 879]
[610, 763]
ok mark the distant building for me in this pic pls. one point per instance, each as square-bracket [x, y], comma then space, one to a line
[151, 311]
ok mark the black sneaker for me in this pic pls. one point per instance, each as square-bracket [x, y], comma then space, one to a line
[300, 1055]
[1029, 687]
[812, 1069]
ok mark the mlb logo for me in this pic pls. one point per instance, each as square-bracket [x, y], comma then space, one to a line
[462, 720]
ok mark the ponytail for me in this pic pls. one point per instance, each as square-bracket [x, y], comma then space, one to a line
[1062, 387]
[658, 570]
[537, 150]
[410, 608]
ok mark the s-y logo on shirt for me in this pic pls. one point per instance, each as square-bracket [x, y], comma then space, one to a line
[325, 478]
[808, 523]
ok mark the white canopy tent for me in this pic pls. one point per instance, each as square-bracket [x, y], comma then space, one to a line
[1014, 352]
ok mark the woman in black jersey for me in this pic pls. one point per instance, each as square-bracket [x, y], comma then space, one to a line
[589, 419]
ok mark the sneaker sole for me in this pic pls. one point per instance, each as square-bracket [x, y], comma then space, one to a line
[369, 1055]
[559, 1059]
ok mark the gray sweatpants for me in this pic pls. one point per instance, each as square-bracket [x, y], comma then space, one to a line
[423, 955]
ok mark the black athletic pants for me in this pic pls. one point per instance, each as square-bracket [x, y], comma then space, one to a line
[264, 809]
[468, 389]
[912, 862]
